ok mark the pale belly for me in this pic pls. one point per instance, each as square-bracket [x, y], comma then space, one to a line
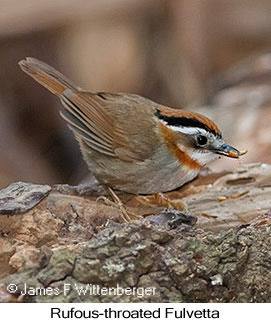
[148, 177]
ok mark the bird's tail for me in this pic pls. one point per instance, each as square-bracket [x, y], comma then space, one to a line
[46, 75]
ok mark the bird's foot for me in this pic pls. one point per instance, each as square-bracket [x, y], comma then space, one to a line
[159, 199]
[116, 202]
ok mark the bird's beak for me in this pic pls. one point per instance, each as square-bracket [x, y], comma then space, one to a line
[229, 151]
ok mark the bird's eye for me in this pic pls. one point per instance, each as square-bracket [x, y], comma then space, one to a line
[201, 140]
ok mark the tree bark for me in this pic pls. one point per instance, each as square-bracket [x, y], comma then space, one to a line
[71, 248]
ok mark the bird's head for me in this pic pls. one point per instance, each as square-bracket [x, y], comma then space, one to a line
[195, 138]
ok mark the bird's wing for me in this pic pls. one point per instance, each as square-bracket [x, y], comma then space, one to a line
[87, 118]
[101, 119]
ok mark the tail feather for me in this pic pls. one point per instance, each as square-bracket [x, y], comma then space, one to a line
[46, 75]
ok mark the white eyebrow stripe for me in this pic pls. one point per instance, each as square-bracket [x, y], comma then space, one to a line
[188, 130]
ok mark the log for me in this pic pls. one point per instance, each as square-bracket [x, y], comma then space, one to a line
[71, 247]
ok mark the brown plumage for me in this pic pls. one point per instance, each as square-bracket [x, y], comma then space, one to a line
[87, 114]
[127, 140]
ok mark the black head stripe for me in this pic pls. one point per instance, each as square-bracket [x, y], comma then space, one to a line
[184, 122]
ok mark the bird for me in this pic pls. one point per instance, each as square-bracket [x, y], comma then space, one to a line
[131, 143]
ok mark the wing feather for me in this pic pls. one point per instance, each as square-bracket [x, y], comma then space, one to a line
[88, 120]
[87, 113]
[73, 114]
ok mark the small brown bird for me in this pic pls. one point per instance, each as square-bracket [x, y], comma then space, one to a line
[131, 143]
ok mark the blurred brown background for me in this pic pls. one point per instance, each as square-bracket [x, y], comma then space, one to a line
[210, 56]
